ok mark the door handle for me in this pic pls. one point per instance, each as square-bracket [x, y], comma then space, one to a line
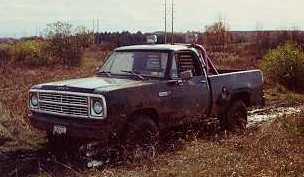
[203, 82]
[175, 82]
[164, 94]
[180, 82]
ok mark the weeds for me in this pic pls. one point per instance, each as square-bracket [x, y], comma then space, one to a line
[233, 61]
[280, 96]
[294, 125]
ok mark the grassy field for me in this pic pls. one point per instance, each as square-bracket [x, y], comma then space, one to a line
[274, 149]
[15, 84]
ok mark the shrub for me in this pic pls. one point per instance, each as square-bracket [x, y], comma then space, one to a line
[32, 53]
[62, 45]
[285, 65]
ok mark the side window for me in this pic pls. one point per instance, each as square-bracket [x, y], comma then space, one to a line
[185, 61]
[151, 63]
[157, 62]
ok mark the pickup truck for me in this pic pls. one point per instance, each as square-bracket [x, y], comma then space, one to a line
[140, 91]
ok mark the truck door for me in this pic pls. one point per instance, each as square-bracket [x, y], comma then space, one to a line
[190, 98]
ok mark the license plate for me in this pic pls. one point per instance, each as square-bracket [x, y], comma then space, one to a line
[59, 130]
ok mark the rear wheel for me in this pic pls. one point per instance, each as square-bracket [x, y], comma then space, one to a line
[235, 119]
[141, 137]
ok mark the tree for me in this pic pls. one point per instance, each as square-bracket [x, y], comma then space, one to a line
[66, 43]
[218, 33]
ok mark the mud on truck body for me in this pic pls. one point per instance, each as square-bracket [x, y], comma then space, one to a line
[142, 90]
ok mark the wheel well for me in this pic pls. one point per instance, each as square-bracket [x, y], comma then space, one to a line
[152, 113]
[244, 96]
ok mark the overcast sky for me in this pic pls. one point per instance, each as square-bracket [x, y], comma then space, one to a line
[25, 17]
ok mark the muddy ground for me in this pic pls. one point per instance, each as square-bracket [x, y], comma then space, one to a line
[29, 161]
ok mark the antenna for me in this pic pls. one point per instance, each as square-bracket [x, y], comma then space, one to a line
[172, 25]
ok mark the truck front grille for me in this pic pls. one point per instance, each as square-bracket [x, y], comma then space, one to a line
[64, 98]
[64, 104]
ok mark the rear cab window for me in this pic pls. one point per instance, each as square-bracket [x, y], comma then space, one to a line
[185, 61]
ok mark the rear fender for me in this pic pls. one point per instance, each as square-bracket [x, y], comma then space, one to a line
[227, 97]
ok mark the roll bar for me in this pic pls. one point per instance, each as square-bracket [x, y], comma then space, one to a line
[211, 68]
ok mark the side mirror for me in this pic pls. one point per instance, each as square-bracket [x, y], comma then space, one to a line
[97, 68]
[186, 75]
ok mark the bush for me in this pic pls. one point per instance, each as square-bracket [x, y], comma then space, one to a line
[285, 66]
[32, 53]
[63, 45]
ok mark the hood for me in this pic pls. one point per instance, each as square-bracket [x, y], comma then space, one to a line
[98, 84]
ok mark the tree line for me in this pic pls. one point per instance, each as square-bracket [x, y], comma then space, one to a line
[64, 43]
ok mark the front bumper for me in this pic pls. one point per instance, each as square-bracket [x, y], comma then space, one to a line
[75, 128]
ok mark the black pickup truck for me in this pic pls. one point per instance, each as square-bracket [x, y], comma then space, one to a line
[141, 90]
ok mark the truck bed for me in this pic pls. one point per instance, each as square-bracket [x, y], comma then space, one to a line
[225, 71]
[237, 82]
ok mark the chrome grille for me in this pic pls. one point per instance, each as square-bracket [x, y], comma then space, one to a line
[64, 104]
[64, 109]
[63, 98]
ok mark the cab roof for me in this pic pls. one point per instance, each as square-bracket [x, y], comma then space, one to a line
[164, 47]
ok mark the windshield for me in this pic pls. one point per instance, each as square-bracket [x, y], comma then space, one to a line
[150, 64]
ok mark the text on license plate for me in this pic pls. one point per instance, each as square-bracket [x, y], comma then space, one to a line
[59, 130]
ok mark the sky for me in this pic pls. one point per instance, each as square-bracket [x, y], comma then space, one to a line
[27, 17]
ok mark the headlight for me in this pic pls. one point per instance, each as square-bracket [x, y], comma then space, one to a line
[98, 109]
[34, 100]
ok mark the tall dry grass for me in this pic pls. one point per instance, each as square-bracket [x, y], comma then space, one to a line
[275, 149]
[16, 80]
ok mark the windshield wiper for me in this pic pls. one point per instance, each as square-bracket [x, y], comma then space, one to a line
[108, 73]
[134, 74]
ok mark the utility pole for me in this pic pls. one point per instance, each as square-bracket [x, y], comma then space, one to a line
[93, 30]
[165, 21]
[97, 35]
[36, 34]
[39, 31]
[97, 25]
[172, 25]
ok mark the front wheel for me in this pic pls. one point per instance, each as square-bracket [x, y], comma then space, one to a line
[235, 118]
[63, 148]
[141, 137]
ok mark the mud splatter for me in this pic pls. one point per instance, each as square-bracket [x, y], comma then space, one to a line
[260, 116]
